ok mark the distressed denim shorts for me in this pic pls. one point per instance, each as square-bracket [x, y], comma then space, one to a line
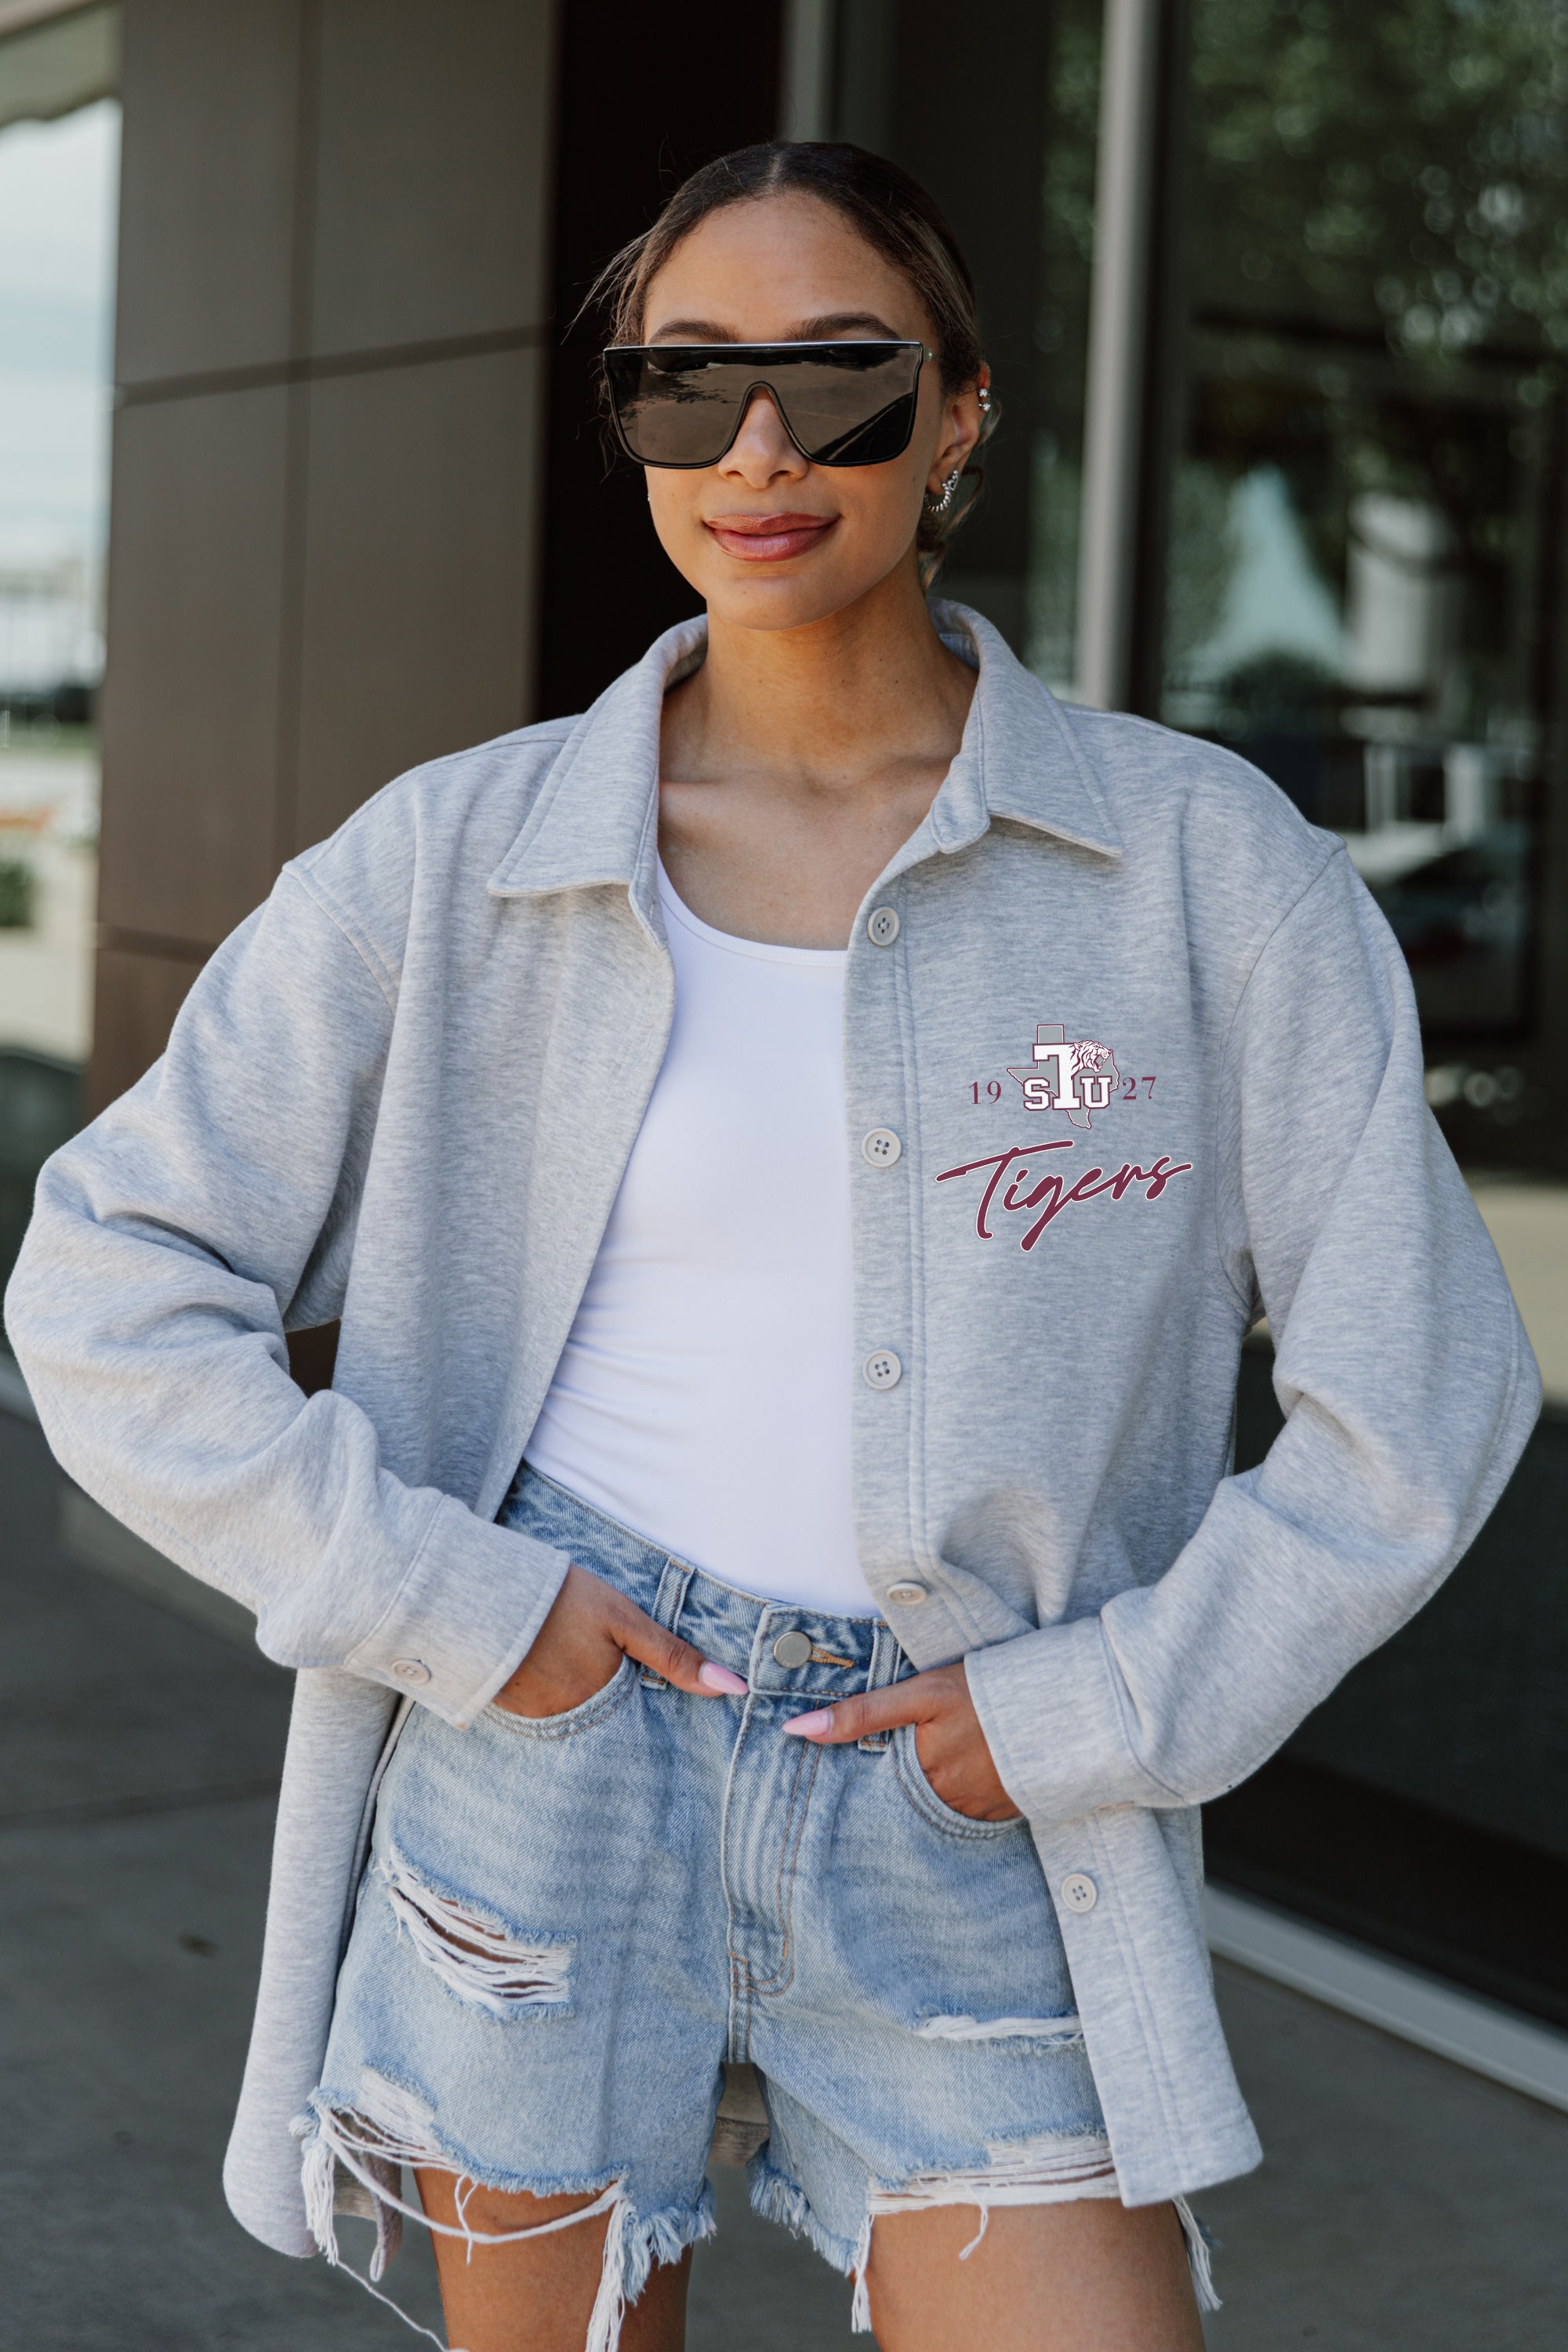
[594, 1949]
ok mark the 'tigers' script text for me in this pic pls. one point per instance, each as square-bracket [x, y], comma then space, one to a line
[1054, 1192]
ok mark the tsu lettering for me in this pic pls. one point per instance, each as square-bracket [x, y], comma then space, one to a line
[1077, 1075]
[1055, 1191]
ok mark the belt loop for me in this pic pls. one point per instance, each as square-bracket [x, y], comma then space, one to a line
[667, 1603]
[882, 1670]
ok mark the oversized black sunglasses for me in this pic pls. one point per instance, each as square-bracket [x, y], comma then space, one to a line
[841, 404]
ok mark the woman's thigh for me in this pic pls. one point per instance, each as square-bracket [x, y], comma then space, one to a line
[1093, 2275]
[537, 2295]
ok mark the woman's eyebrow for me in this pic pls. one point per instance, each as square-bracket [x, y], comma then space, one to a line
[842, 322]
[838, 323]
[692, 330]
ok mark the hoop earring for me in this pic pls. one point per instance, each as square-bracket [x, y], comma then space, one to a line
[937, 507]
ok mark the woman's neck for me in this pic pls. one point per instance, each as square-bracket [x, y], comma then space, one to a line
[796, 763]
[859, 699]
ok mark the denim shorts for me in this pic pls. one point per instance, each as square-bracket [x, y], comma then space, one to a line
[591, 1950]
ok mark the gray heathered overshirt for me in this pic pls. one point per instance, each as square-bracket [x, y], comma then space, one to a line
[1153, 1059]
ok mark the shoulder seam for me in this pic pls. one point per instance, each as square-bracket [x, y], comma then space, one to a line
[343, 923]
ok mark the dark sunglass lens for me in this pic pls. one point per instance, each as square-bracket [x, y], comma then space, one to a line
[675, 411]
[881, 438]
[854, 410]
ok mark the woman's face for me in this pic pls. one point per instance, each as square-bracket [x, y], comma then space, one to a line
[768, 539]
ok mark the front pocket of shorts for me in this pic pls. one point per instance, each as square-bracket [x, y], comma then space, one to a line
[928, 1804]
[581, 1717]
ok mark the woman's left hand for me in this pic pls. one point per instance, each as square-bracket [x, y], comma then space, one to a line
[949, 1741]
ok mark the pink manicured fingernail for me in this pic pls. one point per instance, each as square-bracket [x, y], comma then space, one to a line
[719, 1679]
[807, 1727]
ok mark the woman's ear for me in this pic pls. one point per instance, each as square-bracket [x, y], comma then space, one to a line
[963, 421]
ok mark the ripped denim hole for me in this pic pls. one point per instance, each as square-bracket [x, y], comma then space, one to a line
[1061, 2031]
[1051, 2168]
[483, 1963]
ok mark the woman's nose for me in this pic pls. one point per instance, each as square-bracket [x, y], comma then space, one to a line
[762, 449]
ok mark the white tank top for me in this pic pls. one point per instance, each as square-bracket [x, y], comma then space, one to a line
[703, 1395]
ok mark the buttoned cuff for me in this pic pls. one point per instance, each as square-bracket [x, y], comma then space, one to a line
[1050, 1705]
[466, 1615]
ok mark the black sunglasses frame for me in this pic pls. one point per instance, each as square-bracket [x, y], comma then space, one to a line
[852, 356]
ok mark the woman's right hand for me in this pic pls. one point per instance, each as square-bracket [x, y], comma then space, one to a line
[579, 1648]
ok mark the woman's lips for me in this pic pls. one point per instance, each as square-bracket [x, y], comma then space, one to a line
[769, 538]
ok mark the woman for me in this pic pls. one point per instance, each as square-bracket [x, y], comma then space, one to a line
[795, 1154]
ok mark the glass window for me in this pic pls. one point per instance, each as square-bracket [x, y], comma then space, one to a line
[1362, 594]
[1361, 579]
[58, 179]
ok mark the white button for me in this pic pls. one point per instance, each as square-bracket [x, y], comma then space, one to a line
[883, 1370]
[411, 1670]
[880, 1148]
[907, 1592]
[882, 927]
[1079, 1892]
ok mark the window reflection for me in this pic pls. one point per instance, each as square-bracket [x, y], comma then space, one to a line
[1364, 595]
[58, 172]
[1358, 594]
[1353, 596]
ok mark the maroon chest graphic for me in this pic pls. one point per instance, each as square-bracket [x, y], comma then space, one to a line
[1078, 1077]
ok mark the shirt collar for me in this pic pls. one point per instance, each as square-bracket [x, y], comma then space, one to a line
[595, 819]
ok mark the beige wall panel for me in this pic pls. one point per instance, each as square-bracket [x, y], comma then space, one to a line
[138, 997]
[191, 700]
[211, 92]
[419, 569]
[432, 157]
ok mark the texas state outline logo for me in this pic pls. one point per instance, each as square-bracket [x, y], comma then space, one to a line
[1075, 1074]
[1078, 1077]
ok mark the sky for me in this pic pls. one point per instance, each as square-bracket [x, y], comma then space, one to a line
[59, 183]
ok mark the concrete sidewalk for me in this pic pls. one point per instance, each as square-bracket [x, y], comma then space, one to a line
[1405, 2203]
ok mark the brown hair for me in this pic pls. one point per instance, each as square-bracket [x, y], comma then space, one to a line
[893, 214]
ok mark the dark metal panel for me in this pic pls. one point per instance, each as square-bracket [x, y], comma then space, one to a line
[190, 709]
[430, 199]
[211, 98]
[417, 620]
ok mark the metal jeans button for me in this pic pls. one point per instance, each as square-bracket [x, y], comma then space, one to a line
[792, 1649]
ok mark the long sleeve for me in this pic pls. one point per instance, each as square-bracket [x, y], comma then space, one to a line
[171, 1244]
[1407, 1384]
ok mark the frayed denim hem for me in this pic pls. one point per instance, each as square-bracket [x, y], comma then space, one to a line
[776, 2198]
[353, 2164]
